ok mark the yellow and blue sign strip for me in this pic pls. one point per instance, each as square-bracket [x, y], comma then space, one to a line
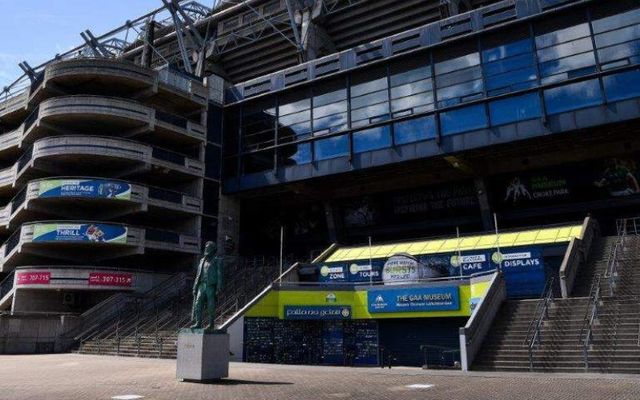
[449, 299]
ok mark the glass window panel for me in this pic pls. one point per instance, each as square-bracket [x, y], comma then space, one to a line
[626, 51]
[289, 132]
[368, 99]
[258, 162]
[337, 146]
[297, 154]
[618, 36]
[507, 50]
[330, 109]
[461, 90]
[400, 75]
[372, 139]
[368, 81]
[458, 63]
[294, 118]
[577, 62]
[565, 50]
[329, 92]
[331, 123]
[622, 86]
[513, 109]
[412, 102]
[463, 119]
[619, 19]
[560, 30]
[512, 79]
[573, 96]
[424, 85]
[461, 76]
[295, 107]
[509, 64]
[415, 130]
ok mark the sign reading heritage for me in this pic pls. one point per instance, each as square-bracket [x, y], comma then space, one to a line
[317, 312]
[33, 278]
[110, 279]
[80, 233]
[84, 188]
[414, 299]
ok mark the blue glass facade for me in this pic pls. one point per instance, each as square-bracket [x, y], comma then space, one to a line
[562, 63]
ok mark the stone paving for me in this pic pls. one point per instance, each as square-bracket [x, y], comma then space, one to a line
[74, 376]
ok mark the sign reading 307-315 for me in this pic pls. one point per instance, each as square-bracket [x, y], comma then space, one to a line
[84, 188]
[106, 233]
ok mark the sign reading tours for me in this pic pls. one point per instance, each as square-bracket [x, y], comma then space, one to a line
[105, 233]
[110, 279]
[33, 278]
[317, 312]
[414, 299]
[84, 188]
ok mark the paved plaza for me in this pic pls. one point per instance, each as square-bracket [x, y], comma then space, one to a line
[72, 376]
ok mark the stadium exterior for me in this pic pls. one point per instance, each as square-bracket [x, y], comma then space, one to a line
[451, 181]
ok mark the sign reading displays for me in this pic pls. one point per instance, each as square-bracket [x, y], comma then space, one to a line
[80, 233]
[84, 188]
[414, 300]
[33, 278]
[317, 312]
[110, 279]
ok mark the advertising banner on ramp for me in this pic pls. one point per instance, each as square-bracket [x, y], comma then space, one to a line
[91, 188]
[103, 233]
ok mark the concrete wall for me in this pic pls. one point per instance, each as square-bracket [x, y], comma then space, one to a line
[35, 334]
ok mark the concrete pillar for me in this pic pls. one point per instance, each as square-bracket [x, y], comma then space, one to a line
[228, 226]
[483, 202]
[147, 49]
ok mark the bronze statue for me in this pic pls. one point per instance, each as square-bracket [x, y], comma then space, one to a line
[207, 284]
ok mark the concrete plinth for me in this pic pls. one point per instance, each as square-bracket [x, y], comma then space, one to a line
[202, 356]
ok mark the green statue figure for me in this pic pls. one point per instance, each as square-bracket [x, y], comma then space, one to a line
[207, 284]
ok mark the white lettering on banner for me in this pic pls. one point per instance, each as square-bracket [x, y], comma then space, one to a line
[516, 256]
[473, 258]
[533, 262]
[77, 188]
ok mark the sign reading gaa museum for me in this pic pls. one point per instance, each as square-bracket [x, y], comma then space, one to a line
[414, 300]
[79, 233]
[84, 188]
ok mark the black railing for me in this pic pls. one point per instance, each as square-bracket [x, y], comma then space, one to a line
[7, 284]
[18, 199]
[534, 336]
[165, 195]
[162, 236]
[170, 156]
[28, 122]
[25, 158]
[172, 119]
[12, 242]
[591, 315]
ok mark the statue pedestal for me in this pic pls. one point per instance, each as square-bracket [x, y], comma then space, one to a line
[202, 356]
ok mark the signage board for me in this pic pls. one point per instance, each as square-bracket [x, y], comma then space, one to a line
[317, 312]
[33, 278]
[414, 299]
[97, 188]
[105, 233]
[110, 279]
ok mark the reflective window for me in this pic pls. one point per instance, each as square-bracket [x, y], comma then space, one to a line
[564, 48]
[508, 62]
[622, 86]
[258, 124]
[337, 146]
[294, 116]
[617, 34]
[458, 75]
[514, 109]
[463, 119]
[296, 154]
[258, 162]
[414, 130]
[371, 139]
[369, 97]
[573, 97]
[411, 87]
[330, 107]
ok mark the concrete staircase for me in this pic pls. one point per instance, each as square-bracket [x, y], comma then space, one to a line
[615, 343]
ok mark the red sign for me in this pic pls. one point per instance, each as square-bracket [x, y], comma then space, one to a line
[33, 278]
[110, 279]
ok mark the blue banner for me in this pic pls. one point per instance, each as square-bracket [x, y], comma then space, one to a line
[84, 188]
[364, 271]
[317, 312]
[334, 272]
[55, 232]
[523, 271]
[414, 299]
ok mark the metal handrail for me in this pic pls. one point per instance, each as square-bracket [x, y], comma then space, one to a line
[533, 337]
[7, 284]
[589, 319]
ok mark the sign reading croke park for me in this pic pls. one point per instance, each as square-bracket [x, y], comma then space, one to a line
[104, 233]
[94, 188]
[446, 298]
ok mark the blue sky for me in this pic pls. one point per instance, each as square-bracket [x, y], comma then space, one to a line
[35, 30]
